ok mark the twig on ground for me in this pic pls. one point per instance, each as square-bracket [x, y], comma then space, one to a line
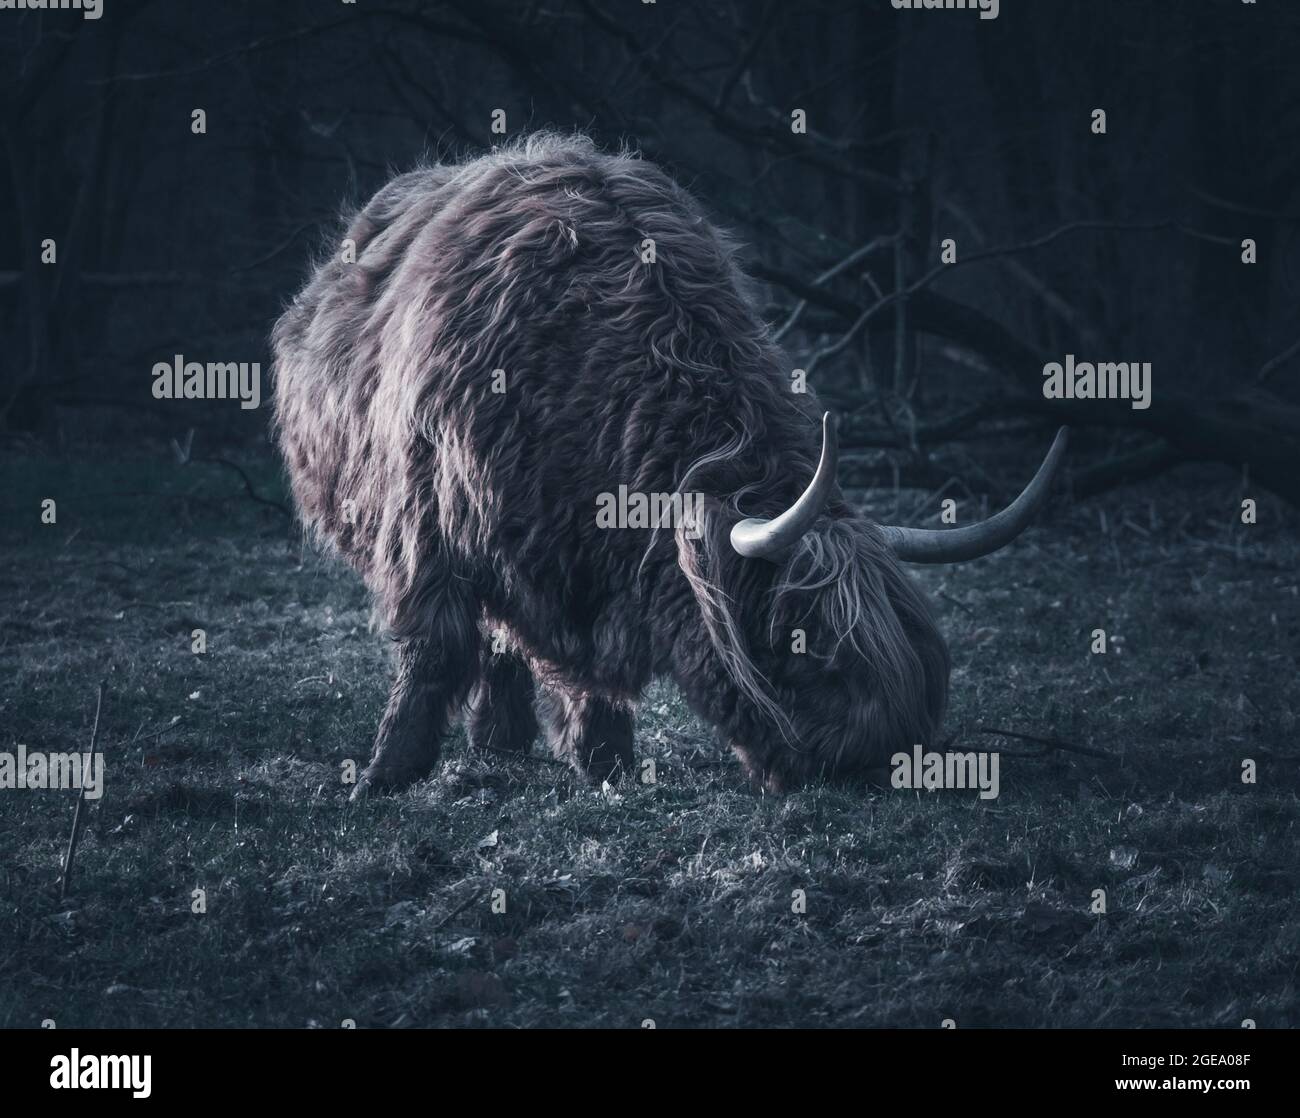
[474, 896]
[248, 485]
[66, 876]
[157, 733]
[1050, 744]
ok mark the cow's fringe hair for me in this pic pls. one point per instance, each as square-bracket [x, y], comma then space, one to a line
[701, 563]
[842, 572]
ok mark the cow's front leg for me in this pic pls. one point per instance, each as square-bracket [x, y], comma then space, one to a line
[499, 716]
[432, 680]
[592, 734]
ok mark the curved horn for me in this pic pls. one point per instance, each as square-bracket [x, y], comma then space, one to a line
[770, 539]
[923, 545]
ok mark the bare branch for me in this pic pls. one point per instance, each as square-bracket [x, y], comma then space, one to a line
[1273, 363]
[854, 257]
[746, 57]
[773, 140]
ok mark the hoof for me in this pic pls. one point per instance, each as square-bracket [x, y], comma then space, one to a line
[603, 770]
[375, 782]
[360, 792]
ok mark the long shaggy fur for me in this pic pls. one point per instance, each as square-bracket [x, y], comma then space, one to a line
[469, 510]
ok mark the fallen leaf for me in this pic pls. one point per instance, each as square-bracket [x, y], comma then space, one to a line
[1124, 857]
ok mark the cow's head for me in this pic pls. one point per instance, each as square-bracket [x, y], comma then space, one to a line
[823, 656]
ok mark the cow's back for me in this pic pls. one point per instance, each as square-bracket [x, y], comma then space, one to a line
[517, 336]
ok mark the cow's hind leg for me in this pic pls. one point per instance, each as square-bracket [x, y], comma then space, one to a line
[434, 675]
[592, 734]
[499, 716]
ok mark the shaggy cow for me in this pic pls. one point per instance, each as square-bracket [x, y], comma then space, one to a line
[490, 350]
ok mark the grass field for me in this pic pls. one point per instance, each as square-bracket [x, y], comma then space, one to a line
[671, 901]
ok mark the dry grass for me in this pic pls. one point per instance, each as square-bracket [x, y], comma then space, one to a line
[671, 901]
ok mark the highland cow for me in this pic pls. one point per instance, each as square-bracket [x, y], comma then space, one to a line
[494, 345]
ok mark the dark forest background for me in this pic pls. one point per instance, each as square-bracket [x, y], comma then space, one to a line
[921, 126]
